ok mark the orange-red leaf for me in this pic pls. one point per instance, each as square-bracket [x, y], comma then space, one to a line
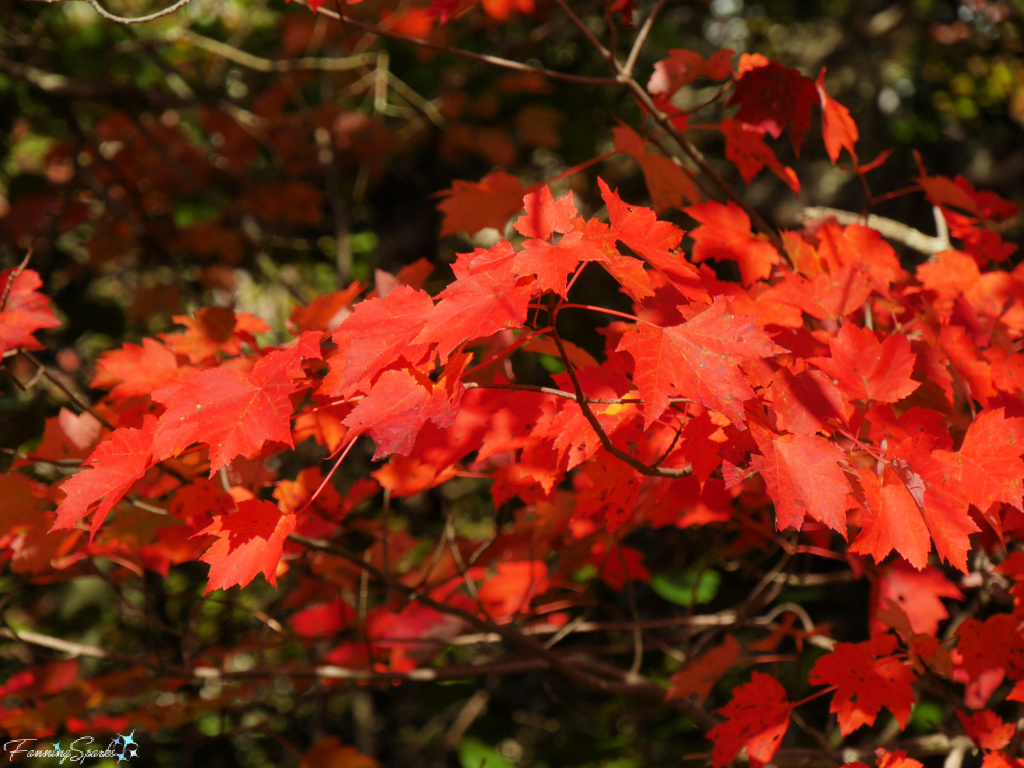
[486, 297]
[114, 467]
[837, 127]
[249, 541]
[374, 336]
[544, 215]
[23, 310]
[699, 674]
[669, 185]
[699, 359]
[724, 234]
[865, 684]
[683, 66]
[234, 412]
[772, 98]
[758, 717]
[867, 369]
[804, 478]
[918, 500]
[490, 202]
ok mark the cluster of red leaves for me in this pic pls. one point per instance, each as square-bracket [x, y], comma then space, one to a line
[881, 406]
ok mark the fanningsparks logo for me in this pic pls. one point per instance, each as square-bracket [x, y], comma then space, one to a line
[121, 747]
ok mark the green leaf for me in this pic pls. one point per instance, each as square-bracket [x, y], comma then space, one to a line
[473, 753]
[696, 586]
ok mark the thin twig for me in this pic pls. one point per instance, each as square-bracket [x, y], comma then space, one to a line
[137, 19]
[496, 61]
[595, 424]
[641, 37]
[63, 388]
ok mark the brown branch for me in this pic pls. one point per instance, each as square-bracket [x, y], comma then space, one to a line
[641, 37]
[496, 61]
[63, 388]
[603, 678]
[595, 424]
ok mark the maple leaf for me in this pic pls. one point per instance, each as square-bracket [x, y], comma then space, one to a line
[896, 760]
[917, 501]
[700, 673]
[554, 263]
[544, 215]
[486, 297]
[212, 330]
[989, 460]
[328, 751]
[23, 310]
[997, 643]
[682, 67]
[374, 336]
[867, 369]
[773, 97]
[837, 127]
[725, 234]
[864, 684]
[804, 478]
[745, 148]
[986, 729]
[250, 540]
[806, 401]
[397, 407]
[669, 185]
[916, 592]
[699, 359]
[322, 620]
[654, 241]
[510, 590]
[472, 206]
[114, 467]
[325, 313]
[133, 370]
[758, 718]
[234, 412]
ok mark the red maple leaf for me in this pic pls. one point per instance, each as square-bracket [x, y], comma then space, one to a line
[724, 234]
[700, 673]
[699, 359]
[234, 412]
[250, 540]
[374, 336]
[212, 330]
[682, 67]
[133, 370]
[23, 310]
[989, 460]
[807, 401]
[654, 241]
[864, 684]
[758, 718]
[867, 369]
[544, 215]
[398, 405]
[987, 729]
[669, 185]
[837, 127]
[804, 478]
[114, 467]
[746, 149]
[486, 297]
[471, 206]
[773, 97]
[917, 592]
[916, 501]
